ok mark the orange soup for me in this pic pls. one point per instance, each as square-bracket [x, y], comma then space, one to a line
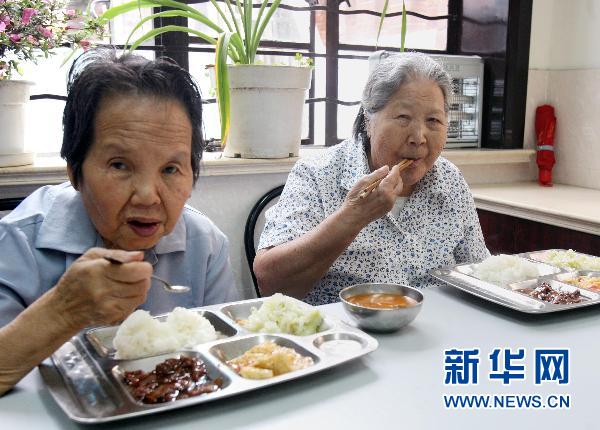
[382, 300]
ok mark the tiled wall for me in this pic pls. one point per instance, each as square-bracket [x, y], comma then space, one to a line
[575, 95]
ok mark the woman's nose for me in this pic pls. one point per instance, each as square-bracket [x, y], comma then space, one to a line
[417, 133]
[145, 192]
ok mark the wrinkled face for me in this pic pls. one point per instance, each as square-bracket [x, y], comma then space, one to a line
[412, 125]
[137, 174]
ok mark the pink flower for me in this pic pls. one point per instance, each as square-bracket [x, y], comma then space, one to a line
[2, 26]
[5, 19]
[32, 40]
[28, 12]
[14, 37]
[70, 12]
[73, 26]
[85, 44]
[45, 31]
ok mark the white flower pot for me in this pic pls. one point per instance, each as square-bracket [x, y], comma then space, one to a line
[266, 110]
[13, 97]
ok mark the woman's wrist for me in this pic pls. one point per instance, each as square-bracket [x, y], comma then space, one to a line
[351, 219]
[52, 303]
[31, 337]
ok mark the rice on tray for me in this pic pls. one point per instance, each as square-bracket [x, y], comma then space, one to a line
[141, 335]
[503, 269]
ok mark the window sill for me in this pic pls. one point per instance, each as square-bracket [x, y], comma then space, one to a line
[52, 170]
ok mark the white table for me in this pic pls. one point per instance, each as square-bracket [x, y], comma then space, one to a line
[398, 386]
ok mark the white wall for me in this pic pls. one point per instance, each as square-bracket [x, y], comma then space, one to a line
[564, 71]
[565, 35]
[227, 201]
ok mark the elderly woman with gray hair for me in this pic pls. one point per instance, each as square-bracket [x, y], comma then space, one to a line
[326, 232]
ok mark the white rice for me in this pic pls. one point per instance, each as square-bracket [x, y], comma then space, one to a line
[504, 269]
[141, 335]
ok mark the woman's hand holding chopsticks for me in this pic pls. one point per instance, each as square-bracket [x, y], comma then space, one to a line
[374, 195]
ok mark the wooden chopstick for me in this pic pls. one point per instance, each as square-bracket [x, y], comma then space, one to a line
[403, 164]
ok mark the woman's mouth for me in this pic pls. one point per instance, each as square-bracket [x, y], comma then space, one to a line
[143, 228]
[414, 162]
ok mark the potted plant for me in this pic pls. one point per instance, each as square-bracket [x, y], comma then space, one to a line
[260, 106]
[29, 30]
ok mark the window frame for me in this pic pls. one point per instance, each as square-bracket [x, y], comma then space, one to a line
[511, 66]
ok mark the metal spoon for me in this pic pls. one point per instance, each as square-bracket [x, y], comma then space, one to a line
[167, 286]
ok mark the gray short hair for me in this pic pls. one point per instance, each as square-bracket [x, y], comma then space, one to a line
[389, 75]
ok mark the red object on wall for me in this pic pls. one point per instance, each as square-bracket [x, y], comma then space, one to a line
[545, 124]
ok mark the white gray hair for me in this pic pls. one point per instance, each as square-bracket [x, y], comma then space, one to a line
[388, 76]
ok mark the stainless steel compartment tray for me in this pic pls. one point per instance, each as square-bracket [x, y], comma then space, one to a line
[85, 379]
[459, 276]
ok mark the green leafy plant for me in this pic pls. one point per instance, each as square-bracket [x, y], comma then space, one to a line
[403, 28]
[239, 40]
[303, 61]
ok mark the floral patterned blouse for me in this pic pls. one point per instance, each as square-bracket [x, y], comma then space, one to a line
[437, 226]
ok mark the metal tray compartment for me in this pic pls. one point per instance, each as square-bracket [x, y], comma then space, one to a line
[148, 364]
[101, 338]
[542, 256]
[340, 344]
[461, 277]
[525, 287]
[571, 278]
[226, 351]
[87, 382]
[543, 268]
[241, 311]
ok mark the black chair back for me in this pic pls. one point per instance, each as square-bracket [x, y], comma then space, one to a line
[253, 218]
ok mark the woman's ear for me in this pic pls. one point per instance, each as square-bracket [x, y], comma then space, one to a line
[72, 177]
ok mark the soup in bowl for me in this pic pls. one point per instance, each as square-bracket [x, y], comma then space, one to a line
[380, 306]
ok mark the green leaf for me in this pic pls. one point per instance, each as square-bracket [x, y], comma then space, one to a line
[232, 14]
[168, 13]
[216, 5]
[238, 45]
[261, 28]
[136, 4]
[381, 18]
[403, 31]
[247, 20]
[155, 32]
[255, 30]
[222, 78]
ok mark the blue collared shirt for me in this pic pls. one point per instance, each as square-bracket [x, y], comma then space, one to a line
[436, 226]
[50, 229]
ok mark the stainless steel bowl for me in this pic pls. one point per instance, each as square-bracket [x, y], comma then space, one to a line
[381, 320]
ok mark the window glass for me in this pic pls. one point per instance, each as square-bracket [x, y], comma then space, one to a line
[289, 26]
[121, 26]
[421, 33]
[485, 22]
[284, 26]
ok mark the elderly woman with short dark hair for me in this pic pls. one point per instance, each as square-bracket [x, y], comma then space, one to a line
[133, 143]
[325, 233]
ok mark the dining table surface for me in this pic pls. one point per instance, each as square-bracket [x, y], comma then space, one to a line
[402, 384]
